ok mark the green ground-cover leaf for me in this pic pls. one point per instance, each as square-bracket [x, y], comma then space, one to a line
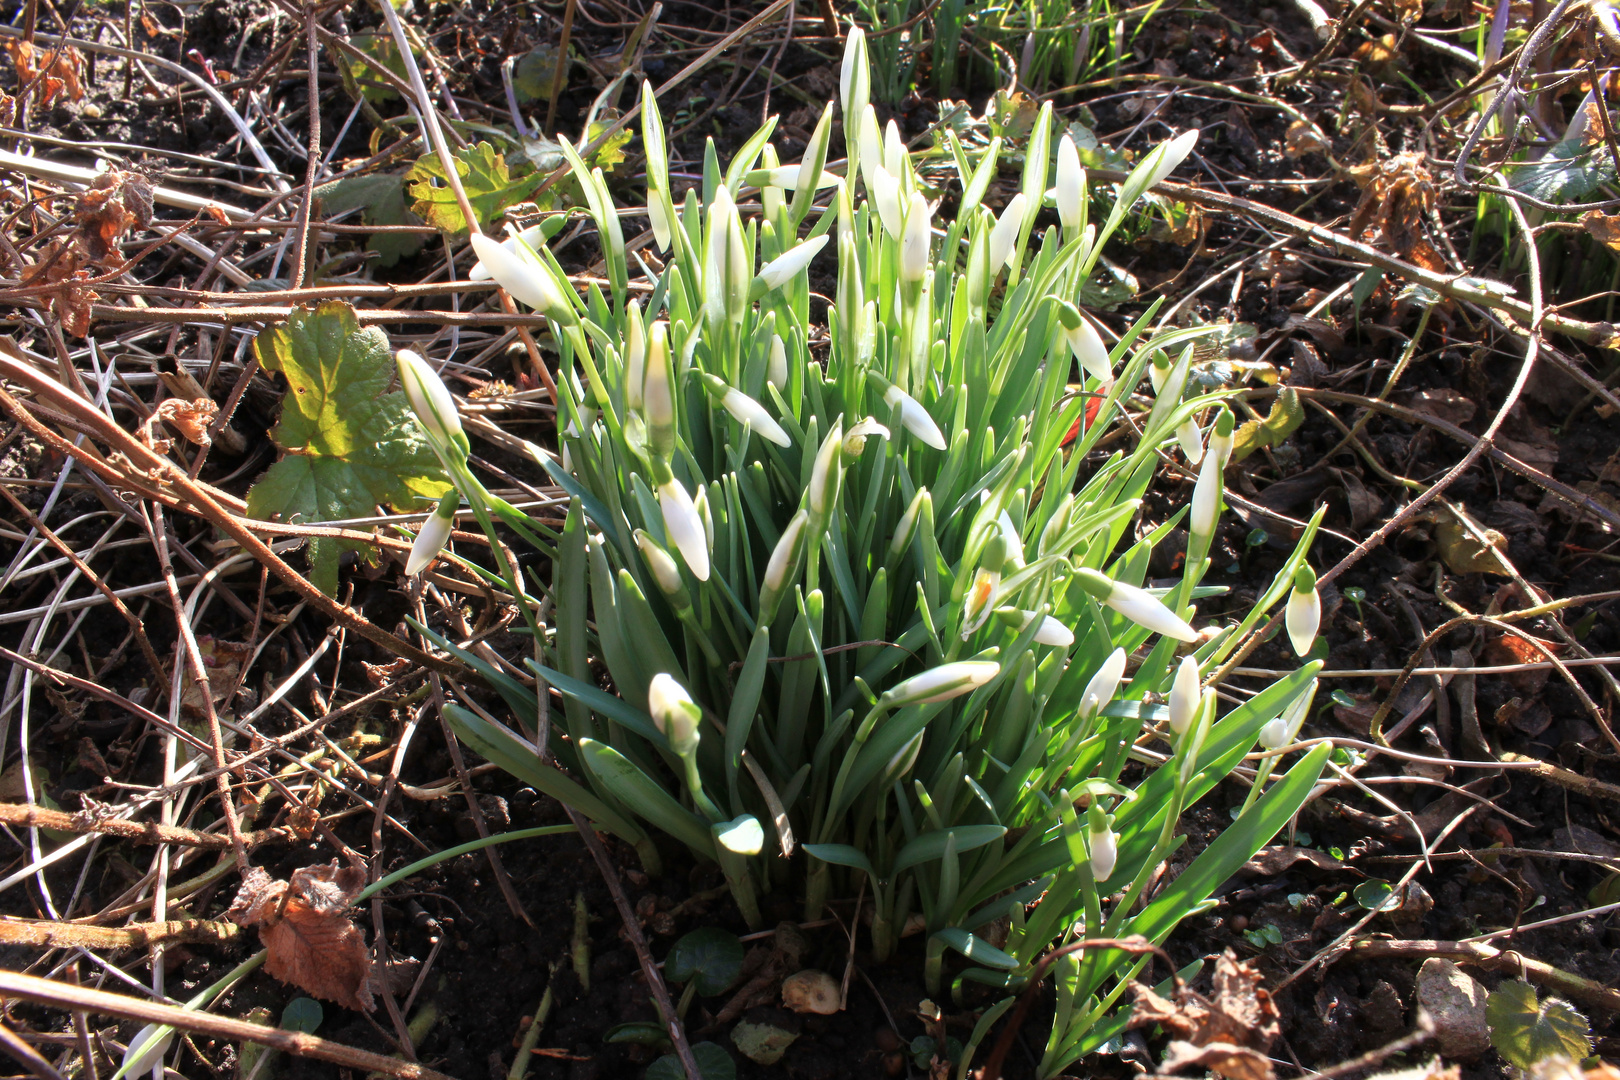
[489, 184]
[348, 445]
[1527, 1031]
[380, 47]
[380, 198]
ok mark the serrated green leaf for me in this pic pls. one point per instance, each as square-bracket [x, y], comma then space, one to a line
[611, 152]
[489, 184]
[380, 197]
[1526, 1031]
[348, 445]
[1569, 173]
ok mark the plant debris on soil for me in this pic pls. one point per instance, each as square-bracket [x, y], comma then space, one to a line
[159, 196]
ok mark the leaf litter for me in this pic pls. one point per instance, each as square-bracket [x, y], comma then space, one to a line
[305, 928]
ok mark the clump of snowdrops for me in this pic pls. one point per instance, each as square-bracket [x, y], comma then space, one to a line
[863, 611]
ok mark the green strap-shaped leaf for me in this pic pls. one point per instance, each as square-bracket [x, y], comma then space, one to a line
[614, 708]
[930, 846]
[841, 855]
[646, 796]
[975, 948]
[512, 754]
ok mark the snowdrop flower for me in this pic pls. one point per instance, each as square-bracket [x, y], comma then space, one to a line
[530, 236]
[1170, 156]
[784, 561]
[1169, 393]
[434, 534]
[429, 399]
[1051, 631]
[1136, 604]
[675, 713]
[894, 150]
[776, 370]
[664, 570]
[1191, 440]
[854, 77]
[726, 269]
[146, 1049]
[914, 418]
[635, 356]
[1207, 490]
[908, 523]
[1005, 234]
[915, 239]
[684, 527]
[1185, 694]
[943, 683]
[870, 141]
[1303, 615]
[1071, 185]
[1086, 344]
[745, 410]
[855, 437]
[522, 274]
[788, 177]
[662, 231]
[786, 266]
[1103, 685]
[885, 191]
[658, 394]
[1285, 728]
[826, 473]
[1104, 844]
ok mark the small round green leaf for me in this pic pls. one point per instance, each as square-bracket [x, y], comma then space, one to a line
[1375, 895]
[1526, 1031]
[708, 957]
[302, 1014]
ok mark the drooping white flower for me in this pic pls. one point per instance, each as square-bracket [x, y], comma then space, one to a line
[786, 266]
[1169, 393]
[915, 239]
[663, 567]
[1005, 234]
[435, 533]
[1207, 490]
[1303, 616]
[776, 369]
[1171, 155]
[1071, 185]
[530, 236]
[1191, 440]
[675, 713]
[908, 523]
[855, 437]
[788, 177]
[943, 683]
[885, 192]
[658, 393]
[894, 150]
[854, 76]
[748, 411]
[684, 527]
[1185, 694]
[1136, 604]
[1088, 348]
[520, 273]
[1103, 685]
[1104, 845]
[429, 398]
[786, 553]
[827, 471]
[1285, 728]
[1051, 631]
[914, 418]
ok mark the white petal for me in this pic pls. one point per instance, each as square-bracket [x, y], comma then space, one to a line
[885, 192]
[684, 528]
[914, 241]
[1087, 346]
[914, 418]
[429, 542]
[1051, 631]
[1303, 617]
[1103, 685]
[1185, 694]
[1147, 610]
[1071, 184]
[1191, 440]
[147, 1048]
[527, 281]
[894, 150]
[782, 269]
[429, 398]
[662, 233]
[1104, 854]
[1005, 234]
[530, 236]
[749, 411]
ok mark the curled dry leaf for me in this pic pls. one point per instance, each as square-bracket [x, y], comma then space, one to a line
[1303, 138]
[191, 419]
[305, 927]
[115, 202]
[1396, 196]
[1228, 1033]
[56, 70]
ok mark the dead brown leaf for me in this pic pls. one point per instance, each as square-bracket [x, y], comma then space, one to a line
[115, 202]
[1303, 138]
[192, 419]
[305, 928]
[57, 71]
[1512, 649]
[1463, 553]
[1396, 196]
[1604, 228]
[1274, 860]
[223, 661]
[1228, 1032]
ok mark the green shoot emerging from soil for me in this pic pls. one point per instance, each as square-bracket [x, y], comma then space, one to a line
[872, 600]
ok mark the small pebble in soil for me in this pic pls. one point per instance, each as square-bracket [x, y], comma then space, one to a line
[1239, 923]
